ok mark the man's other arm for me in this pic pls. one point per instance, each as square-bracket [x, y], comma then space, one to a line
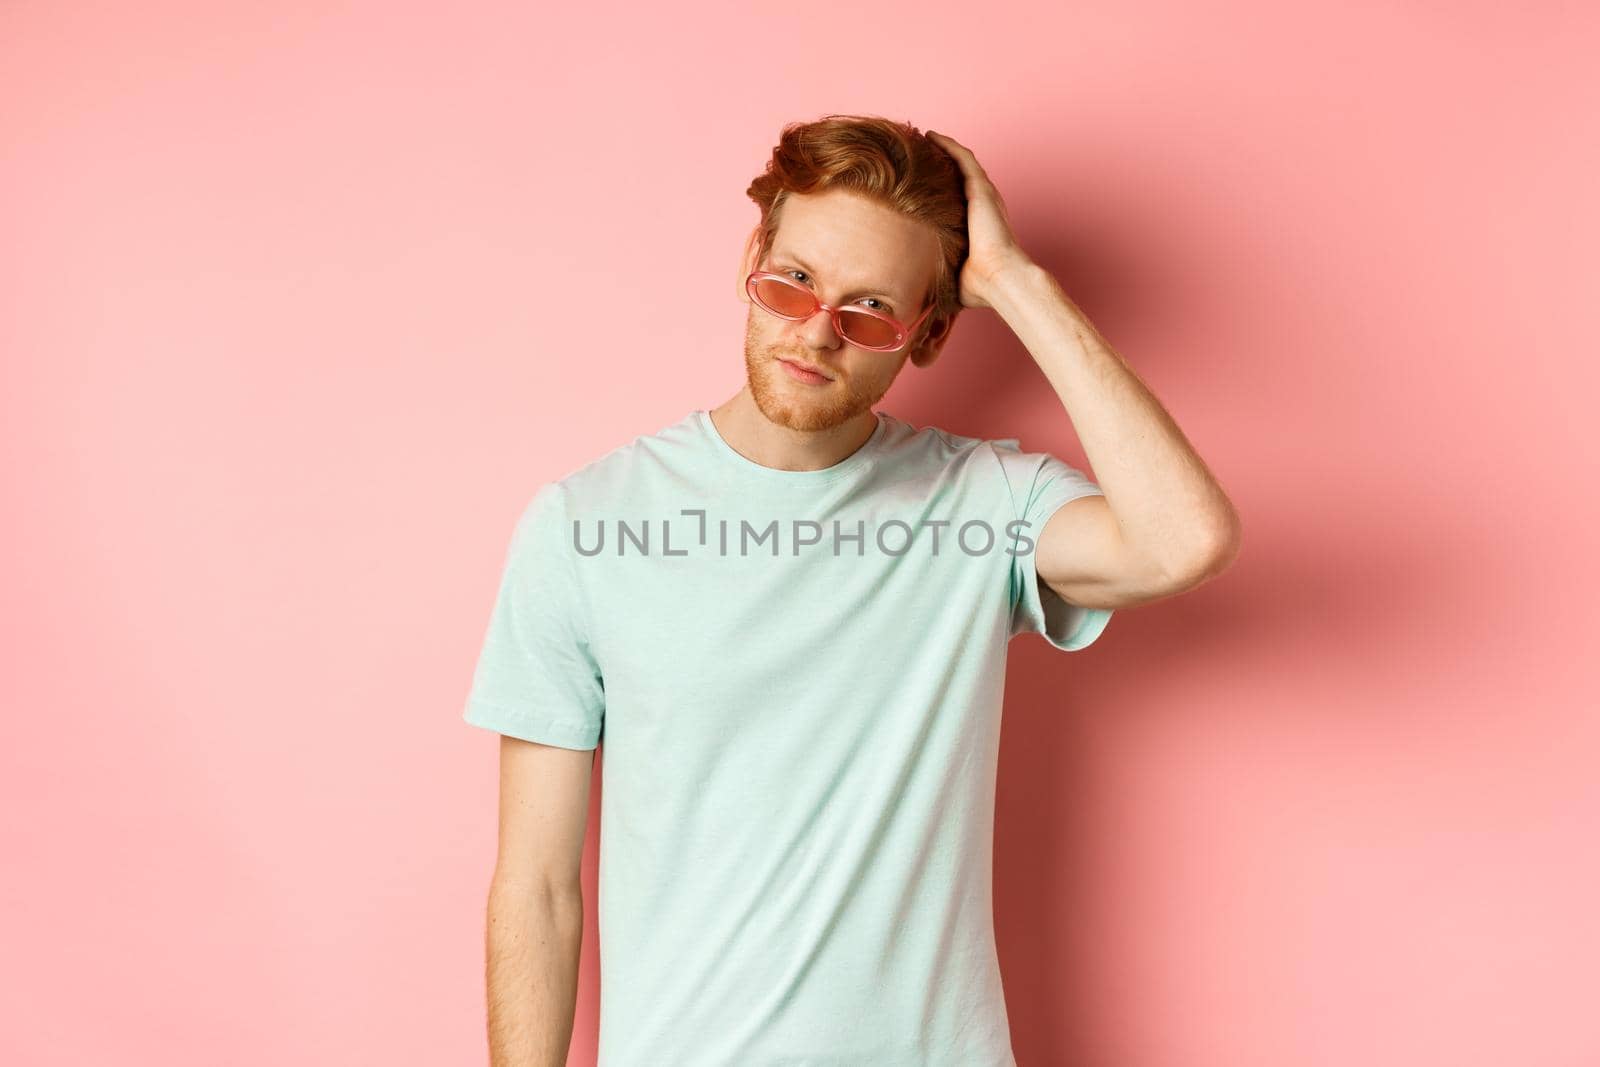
[534, 928]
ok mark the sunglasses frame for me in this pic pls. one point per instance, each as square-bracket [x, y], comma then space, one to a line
[902, 332]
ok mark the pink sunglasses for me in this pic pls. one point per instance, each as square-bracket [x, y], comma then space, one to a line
[788, 299]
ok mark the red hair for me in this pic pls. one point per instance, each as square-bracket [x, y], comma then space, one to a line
[891, 163]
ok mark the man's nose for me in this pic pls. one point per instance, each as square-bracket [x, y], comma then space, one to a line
[818, 331]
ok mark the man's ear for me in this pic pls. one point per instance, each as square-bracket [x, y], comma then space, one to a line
[928, 351]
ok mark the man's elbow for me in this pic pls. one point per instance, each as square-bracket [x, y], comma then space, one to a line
[561, 898]
[1214, 552]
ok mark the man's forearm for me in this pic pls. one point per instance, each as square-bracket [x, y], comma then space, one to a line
[533, 940]
[1159, 489]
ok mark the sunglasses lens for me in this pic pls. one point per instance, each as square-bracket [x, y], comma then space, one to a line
[865, 330]
[860, 328]
[785, 299]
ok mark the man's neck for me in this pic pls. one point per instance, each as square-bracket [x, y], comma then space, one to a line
[742, 424]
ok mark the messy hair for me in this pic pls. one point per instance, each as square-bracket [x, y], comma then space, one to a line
[891, 163]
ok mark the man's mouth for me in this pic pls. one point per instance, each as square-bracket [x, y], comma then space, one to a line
[805, 372]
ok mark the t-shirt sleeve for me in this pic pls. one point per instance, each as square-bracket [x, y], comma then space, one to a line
[1039, 483]
[536, 676]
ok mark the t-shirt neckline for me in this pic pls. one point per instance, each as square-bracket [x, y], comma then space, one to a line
[773, 476]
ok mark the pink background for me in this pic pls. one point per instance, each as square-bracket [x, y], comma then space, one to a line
[294, 318]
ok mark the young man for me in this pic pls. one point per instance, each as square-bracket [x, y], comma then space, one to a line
[786, 617]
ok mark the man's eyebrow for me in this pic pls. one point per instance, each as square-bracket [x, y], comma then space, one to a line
[797, 261]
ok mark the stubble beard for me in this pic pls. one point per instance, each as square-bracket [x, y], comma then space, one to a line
[792, 403]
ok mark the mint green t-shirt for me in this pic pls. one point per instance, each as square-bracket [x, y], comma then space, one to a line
[796, 678]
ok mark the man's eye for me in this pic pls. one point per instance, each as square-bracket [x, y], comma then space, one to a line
[801, 277]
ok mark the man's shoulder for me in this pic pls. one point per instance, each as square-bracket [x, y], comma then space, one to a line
[1007, 450]
[942, 446]
[605, 476]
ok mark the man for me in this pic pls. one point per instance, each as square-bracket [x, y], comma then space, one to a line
[786, 617]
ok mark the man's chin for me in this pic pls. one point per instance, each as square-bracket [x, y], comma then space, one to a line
[787, 401]
[785, 406]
